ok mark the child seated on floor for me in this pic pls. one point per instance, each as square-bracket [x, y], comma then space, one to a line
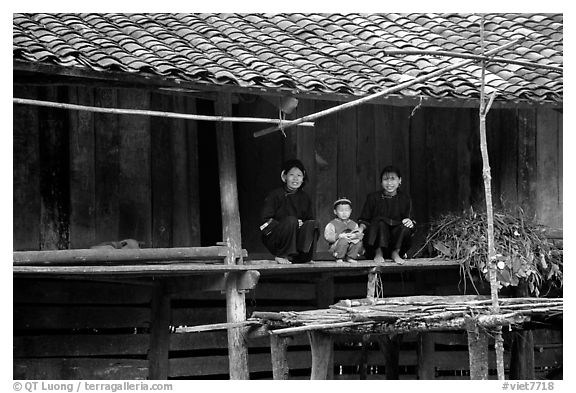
[342, 233]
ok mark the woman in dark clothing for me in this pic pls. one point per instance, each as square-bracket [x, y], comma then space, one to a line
[289, 230]
[385, 219]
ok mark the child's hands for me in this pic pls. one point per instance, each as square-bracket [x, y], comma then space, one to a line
[300, 222]
[408, 223]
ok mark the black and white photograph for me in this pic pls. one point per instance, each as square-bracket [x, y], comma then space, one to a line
[286, 196]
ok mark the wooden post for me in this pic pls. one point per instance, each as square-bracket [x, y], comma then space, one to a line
[159, 333]
[425, 355]
[324, 299]
[522, 346]
[371, 286]
[279, 354]
[235, 300]
[477, 350]
[364, 357]
[491, 262]
[321, 345]
[390, 347]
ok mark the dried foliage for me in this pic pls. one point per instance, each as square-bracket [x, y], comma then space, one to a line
[523, 251]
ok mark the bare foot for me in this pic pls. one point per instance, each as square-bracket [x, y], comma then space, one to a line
[379, 258]
[351, 260]
[340, 260]
[282, 260]
[396, 257]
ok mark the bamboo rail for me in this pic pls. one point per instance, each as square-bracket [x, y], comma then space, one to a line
[214, 326]
[391, 90]
[119, 111]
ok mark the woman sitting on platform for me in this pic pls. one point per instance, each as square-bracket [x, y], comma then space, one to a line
[385, 219]
[289, 230]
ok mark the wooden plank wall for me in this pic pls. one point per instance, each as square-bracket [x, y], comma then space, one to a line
[80, 330]
[437, 150]
[82, 178]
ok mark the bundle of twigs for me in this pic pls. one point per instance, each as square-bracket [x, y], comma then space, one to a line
[413, 313]
[523, 250]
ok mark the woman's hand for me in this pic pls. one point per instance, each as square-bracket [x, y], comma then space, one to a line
[408, 223]
[300, 222]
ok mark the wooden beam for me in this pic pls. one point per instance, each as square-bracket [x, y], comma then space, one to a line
[477, 350]
[279, 352]
[207, 91]
[231, 234]
[390, 348]
[425, 355]
[100, 255]
[322, 348]
[179, 267]
[160, 315]
[245, 281]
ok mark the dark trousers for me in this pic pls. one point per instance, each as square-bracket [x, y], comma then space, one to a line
[388, 235]
[288, 240]
[345, 248]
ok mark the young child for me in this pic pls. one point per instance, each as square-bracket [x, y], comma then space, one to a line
[342, 233]
[385, 219]
[289, 230]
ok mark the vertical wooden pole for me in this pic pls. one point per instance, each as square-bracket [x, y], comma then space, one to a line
[159, 333]
[425, 355]
[364, 357]
[279, 354]
[390, 347]
[235, 300]
[321, 345]
[522, 346]
[491, 262]
[325, 298]
[477, 350]
[371, 285]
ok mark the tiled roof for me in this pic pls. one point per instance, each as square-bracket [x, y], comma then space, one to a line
[323, 53]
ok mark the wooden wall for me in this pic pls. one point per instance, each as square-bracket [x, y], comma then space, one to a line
[437, 150]
[82, 178]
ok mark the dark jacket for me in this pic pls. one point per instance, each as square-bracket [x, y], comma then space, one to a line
[280, 204]
[392, 209]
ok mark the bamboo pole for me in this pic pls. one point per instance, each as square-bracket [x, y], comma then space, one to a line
[119, 111]
[405, 52]
[391, 90]
[491, 263]
[214, 326]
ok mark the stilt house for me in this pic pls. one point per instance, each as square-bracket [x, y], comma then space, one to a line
[146, 127]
